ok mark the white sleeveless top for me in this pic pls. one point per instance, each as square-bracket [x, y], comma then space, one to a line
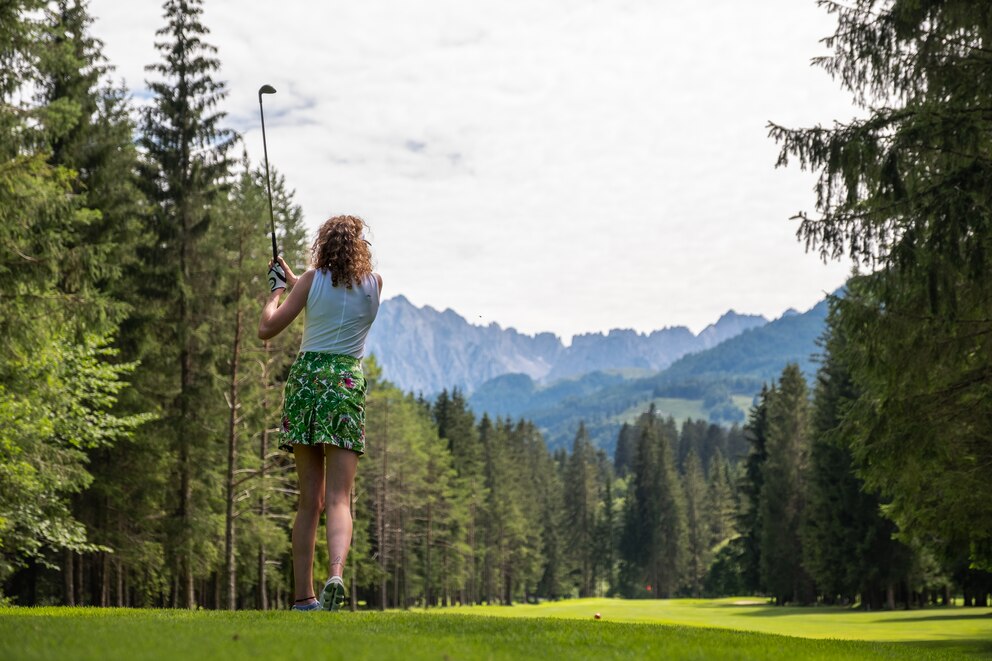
[337, 318]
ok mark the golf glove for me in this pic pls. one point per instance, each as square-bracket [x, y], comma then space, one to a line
[277, 277]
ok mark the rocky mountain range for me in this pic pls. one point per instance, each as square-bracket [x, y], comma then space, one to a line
[717, 384]
[424, 350]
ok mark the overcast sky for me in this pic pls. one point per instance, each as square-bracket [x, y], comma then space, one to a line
[562, 165]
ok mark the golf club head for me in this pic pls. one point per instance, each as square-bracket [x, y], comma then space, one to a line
[266, 89]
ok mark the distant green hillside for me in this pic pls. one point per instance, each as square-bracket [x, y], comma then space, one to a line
[681, 409]
[758, 353]
[717, 384]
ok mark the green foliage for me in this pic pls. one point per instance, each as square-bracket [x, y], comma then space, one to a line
[58, 377]
[782, 496]
[581, 492]
[62, 408]
[653, 541]
[905, 191]
[749, 519]
[848, 545]
[184, 163]
[697, 525]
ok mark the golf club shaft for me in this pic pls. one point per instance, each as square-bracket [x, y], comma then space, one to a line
[268, 183]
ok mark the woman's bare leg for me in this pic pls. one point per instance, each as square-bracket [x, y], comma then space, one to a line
[310, 471]
[341, 465]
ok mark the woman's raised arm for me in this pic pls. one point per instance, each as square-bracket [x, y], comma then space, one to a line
[276, 317]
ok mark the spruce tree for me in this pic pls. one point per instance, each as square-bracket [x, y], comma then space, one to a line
[749, 520]
[691, 439]
[721, 507]
[848, 545]
[456, 424]
[608, 529]
[724, 574]
[782, 497]
[623, 456]
[184, 150]
[549, 485]
[96, 142]
[697, 552]
[671, 560]
[581, 501]
[653, 541]
[903, 190]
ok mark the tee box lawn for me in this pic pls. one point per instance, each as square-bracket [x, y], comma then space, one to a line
[662, 629]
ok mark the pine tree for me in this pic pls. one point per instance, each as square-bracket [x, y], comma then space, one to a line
[697, 525]
[581, 501]
[724, 576]
[749, 521]
[641, 515]
[720, 505]
[456, 424]
[691, 439]
[608, 526]
[527, 561]
[95, 141]
[653, 540]
[670, 560]
[848, 545]
[904, 190]
[623, 457]
[782, 497]
[185, 163]
[550, 492]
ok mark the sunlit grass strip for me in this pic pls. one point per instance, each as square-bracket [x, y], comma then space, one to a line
[754, 614]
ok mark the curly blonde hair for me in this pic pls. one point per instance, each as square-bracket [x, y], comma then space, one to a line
[340, 248]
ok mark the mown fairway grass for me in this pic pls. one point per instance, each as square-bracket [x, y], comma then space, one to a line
[961, 629]
[82, 633]
[755, 614]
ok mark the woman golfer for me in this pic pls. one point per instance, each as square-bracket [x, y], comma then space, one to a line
[323, 420]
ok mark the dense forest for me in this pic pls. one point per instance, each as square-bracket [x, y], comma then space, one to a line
[138, 464]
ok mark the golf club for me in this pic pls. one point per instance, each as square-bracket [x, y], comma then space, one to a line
[268, 89]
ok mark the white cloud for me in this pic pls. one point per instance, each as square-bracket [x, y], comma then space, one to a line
[562, 165]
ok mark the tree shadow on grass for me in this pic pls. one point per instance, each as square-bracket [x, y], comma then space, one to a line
[893, 617]
[937, 618]
[765, 610]
[975, 648]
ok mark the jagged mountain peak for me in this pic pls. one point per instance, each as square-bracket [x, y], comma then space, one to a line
[422, 349]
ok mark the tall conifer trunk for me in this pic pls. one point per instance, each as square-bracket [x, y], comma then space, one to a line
[263, 449]
[381, 513]
[232, 457]
[427, 556]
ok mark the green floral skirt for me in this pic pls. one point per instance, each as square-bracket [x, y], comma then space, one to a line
[324, 402]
